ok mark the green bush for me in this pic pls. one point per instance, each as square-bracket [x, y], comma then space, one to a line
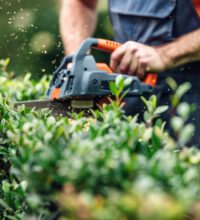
[104, 167]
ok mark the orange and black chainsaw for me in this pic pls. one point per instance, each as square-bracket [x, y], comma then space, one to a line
[79, 83]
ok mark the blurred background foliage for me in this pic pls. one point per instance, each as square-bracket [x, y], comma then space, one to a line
[29, 34]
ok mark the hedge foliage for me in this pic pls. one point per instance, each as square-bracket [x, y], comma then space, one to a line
[105, 167]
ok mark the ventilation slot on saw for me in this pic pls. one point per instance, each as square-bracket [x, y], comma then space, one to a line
[105, 84]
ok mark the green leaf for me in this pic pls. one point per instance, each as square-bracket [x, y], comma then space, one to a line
[150, 107]
[186, 134]
[184, 110]
[160, 110]
[147, 134]
[156, 141]
[128, 81]
[153, 100]
[5, 62]
[5, 186]
[147, 116]
[144, 100]
[148, 104]
[113, 88]
[172, 83]
[4, 204]
[182, 89]
[177, 123]
[120, 82]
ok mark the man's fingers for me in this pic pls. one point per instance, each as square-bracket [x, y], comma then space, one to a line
[125, 62]
[116, 57]
[141, 70]
[135, 59]
[133, 67]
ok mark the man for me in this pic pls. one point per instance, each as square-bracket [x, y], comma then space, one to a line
[161, 36]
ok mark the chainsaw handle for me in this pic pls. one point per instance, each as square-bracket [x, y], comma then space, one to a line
[108, 46]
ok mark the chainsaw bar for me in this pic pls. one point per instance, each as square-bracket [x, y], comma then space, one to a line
[59, 107]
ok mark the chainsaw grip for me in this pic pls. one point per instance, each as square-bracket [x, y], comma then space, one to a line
[109, 46]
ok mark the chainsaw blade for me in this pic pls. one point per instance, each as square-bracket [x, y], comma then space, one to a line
[59, 107]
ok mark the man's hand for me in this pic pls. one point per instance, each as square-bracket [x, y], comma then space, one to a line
[137, 59]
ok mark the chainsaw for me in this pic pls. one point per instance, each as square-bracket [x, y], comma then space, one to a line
[80, 83]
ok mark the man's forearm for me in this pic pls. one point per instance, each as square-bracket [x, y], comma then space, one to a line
[137, 59]
[184, 50]
[77, 22]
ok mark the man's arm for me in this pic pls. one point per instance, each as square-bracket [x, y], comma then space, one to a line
[136, 59]
[77, 22]
[184, 50]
